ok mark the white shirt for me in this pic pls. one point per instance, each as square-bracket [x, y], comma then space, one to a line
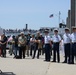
[56, 38]
[32, 41]
[66, 38]
[73, 37]
[47, 39]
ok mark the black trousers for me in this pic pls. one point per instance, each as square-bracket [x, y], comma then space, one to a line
[31, 49]
[4, 51]
[35, 49]
[67, 48]
[22, 51]
[47, 52]
[56, 50]
[73, 52]
[42, 50]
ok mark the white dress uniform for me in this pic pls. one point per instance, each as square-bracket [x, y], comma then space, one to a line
[56, 40]
[67, 41]
[73, 50]
[66, 38]
[73, 37]
[47, 40]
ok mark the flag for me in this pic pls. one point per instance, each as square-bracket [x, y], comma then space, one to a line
[51, 15]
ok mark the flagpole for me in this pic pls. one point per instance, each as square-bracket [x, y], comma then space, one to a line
[59, 18]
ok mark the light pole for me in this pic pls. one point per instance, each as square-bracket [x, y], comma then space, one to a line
[59, 17]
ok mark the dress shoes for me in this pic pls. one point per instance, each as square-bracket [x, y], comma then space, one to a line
[64, 62]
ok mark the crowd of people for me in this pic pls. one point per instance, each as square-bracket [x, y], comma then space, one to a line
[22, 45]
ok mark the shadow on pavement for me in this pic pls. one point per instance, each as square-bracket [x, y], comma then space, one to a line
[7, 73]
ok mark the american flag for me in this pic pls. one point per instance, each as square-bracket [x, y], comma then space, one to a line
[51, 15]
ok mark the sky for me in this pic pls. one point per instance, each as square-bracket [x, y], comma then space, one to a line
[15, 14]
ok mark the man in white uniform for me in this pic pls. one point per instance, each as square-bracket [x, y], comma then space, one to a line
[73, 40]
[67, 41]
[47, 41]
[56, 39]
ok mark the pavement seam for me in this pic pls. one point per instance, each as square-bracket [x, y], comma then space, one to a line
[48, 68]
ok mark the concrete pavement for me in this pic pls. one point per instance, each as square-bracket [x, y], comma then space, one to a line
[29, 66]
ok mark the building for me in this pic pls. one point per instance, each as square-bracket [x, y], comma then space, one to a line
[68, 20]
[73, 13]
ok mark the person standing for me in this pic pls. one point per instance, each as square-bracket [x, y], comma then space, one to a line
[13, 44]
[16, 47]
[47, 42]
[67, 45]
[28, 44]
[56, 39]
[10, 45]
[41, 44]
[22, 45]
[32, 41]
[3, 44]
[36, 44]
[73, 49]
